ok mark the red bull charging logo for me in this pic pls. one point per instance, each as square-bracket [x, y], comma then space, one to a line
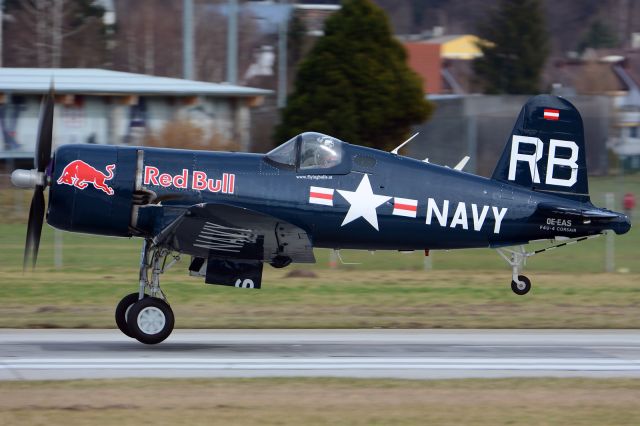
[80, 174]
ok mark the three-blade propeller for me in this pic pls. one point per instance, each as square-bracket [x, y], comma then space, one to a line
[42, 158]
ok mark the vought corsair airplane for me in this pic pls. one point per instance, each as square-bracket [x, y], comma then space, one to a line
[233, 212]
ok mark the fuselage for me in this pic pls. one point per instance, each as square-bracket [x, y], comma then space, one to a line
[417, 205]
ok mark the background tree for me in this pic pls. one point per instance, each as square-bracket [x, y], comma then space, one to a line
[598, 36]
[355, 83]
[54, 33]
[149, 38]
[515, 48]
[296, 42]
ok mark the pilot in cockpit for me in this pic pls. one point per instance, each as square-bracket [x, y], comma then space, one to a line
[319, 151]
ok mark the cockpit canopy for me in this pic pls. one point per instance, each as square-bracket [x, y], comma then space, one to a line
[309, 151]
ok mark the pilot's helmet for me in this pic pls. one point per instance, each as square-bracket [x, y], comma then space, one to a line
[326, 141]
[327, 152]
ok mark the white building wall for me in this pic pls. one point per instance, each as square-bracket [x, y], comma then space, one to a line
[108, 120]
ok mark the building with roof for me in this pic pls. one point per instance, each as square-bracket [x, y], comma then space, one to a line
[614, 73]
[425, 60]
[458, 46]
[444, 62]
[110, 107]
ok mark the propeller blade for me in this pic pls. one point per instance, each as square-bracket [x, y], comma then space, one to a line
[45, 132]
[34, 228]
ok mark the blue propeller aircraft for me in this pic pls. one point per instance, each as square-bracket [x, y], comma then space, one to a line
[233, 212]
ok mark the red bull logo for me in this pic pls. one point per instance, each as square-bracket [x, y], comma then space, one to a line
[80, 174]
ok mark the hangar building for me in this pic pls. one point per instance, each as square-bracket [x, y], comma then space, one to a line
[110, 107]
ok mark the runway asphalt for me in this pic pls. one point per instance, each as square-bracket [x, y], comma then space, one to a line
[418, 354]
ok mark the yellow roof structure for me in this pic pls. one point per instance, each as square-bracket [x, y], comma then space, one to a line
[462, 46]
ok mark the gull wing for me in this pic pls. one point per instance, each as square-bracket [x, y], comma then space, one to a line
[228, 232]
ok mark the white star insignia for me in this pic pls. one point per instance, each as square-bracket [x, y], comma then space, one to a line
[363, 203]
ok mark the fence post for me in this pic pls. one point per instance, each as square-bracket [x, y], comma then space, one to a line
[333, 259]
[57, 248]
[427, 264]
[609, 260]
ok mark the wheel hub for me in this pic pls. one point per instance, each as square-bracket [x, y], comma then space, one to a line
[151, 320]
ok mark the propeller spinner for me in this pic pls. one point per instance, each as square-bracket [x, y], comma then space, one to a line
[37, 179]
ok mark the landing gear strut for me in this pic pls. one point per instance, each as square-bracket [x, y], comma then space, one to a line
[146, 315]
[520, 284]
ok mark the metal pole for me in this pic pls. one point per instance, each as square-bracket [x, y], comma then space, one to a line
[610, 241]
[187, 40]
[57, 248]
[232, 42]
[333, 259]
[282, 64]
[472, 142]
[18, 196]
[1, 20]
[428, 263]
[57, 13]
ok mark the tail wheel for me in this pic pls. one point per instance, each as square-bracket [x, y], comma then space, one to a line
[150, 320]
[122, 312]
[522, 287]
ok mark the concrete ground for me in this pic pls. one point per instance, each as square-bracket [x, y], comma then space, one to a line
[419, 354]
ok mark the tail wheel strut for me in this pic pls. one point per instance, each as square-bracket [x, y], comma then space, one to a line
[517, 259]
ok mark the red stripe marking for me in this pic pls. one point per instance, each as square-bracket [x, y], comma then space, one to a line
[321, 195]
[405, 207]
[551, 114]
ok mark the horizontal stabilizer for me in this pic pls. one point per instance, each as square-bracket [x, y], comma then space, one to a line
[590, 214]
[599, 214]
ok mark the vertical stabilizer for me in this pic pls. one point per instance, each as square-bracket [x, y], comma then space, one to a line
[546, 151]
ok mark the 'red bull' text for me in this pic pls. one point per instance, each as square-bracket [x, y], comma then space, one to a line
[196, 180]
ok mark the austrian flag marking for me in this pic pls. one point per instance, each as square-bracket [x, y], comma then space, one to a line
[319, 195]
[551, 114]
[405, 207]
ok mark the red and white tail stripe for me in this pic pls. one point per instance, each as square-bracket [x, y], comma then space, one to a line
[551, 114]
[319, 195]
[405, 207]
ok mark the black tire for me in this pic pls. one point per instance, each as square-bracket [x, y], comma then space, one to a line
[521, 291]
[151, 320]
[121, 312]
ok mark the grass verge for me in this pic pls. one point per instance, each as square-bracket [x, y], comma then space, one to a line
[322, 402]
[335, 299]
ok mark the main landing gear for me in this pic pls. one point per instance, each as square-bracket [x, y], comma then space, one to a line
[146, 315]
[517, 259]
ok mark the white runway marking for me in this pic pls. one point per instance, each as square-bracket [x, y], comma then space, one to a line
[70, 354]
[359, 363]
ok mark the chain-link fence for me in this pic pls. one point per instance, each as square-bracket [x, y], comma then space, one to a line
[479, 126]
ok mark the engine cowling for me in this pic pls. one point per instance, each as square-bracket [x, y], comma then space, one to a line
[91, 189]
